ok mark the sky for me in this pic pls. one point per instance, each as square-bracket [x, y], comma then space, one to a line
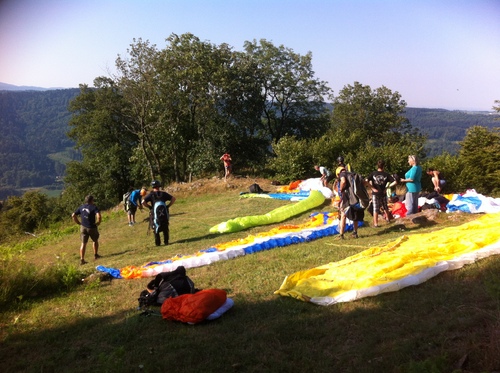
[435, 53]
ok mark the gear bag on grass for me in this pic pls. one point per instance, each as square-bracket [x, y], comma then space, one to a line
[255, 188]
[166, 285]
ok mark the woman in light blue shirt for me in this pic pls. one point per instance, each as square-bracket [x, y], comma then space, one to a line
[412, 179]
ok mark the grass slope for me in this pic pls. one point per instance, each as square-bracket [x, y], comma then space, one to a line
[450, 322]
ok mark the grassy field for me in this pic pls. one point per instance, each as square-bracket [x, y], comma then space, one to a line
[450, 323]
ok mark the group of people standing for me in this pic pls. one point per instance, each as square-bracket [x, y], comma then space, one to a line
[379, 181]
[89, 217]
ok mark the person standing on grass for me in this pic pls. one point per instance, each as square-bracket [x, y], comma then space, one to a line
[379, 181]
[134, 202]
[91, 218]
[345, 207]
[413, 178]
[228, 165]
[149, 201]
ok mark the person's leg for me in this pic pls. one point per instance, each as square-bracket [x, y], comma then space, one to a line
[409, 203]
[129, 217]
[82, 252]
[157, 239]
[415, 202]
[355, 229]
[342, 224]
[165, 236]
[95, 246]
[375, 205]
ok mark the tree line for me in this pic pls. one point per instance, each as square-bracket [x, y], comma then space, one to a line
[169, 114]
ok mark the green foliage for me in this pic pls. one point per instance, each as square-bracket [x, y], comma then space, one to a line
[480, 155]
[293, 159]
[395, 156]
[362, 115]
[293, 97]
[22, 280]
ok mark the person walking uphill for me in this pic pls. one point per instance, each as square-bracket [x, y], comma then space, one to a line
[413, 178]
[91, 218]
[159, 214]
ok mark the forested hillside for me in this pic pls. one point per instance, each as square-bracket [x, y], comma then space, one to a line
[445, 128]
[34, 147]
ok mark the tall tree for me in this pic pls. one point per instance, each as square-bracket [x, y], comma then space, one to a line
[480, 155]
[97, 127]
[366, 119]
[294, 98]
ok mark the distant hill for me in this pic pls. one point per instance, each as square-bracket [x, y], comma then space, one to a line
[34, 148]
[446, 128]
[11, 87]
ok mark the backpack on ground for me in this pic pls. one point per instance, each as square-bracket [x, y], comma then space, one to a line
[357, 190]
[126, 201]
[166, 285]
[255, 188]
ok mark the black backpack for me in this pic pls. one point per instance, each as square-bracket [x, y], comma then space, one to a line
[166, 285]
[255, 188]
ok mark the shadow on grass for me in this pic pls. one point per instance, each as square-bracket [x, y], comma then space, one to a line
[430, 327]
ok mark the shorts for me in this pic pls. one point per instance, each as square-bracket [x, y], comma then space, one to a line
[329, 178]
[131, 209]
[85, 233]
[379, 202]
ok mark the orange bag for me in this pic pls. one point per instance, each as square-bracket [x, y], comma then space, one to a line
[193, 308]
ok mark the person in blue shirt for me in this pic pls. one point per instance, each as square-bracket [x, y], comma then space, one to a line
[134, 201]
[413, 178]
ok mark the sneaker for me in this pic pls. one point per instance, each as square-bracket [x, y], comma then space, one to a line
[82, 262]
[355, 235]
[340, 237]
[97, 256]
[130, 224]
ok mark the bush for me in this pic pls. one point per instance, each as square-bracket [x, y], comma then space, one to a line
[22, 280]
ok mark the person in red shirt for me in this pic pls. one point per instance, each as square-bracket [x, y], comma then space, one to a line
[228, 165]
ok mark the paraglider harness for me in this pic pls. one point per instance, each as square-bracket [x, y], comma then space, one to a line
[165, 285]
[356, 195]
[158, 215]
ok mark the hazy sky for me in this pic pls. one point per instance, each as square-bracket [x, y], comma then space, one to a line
[435, 53]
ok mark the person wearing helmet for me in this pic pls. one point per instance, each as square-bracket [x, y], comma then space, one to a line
[132, 202]
[340, 161]
[149, 201]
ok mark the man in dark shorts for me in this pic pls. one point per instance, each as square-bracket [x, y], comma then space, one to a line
[91, 218]
[379, 182]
